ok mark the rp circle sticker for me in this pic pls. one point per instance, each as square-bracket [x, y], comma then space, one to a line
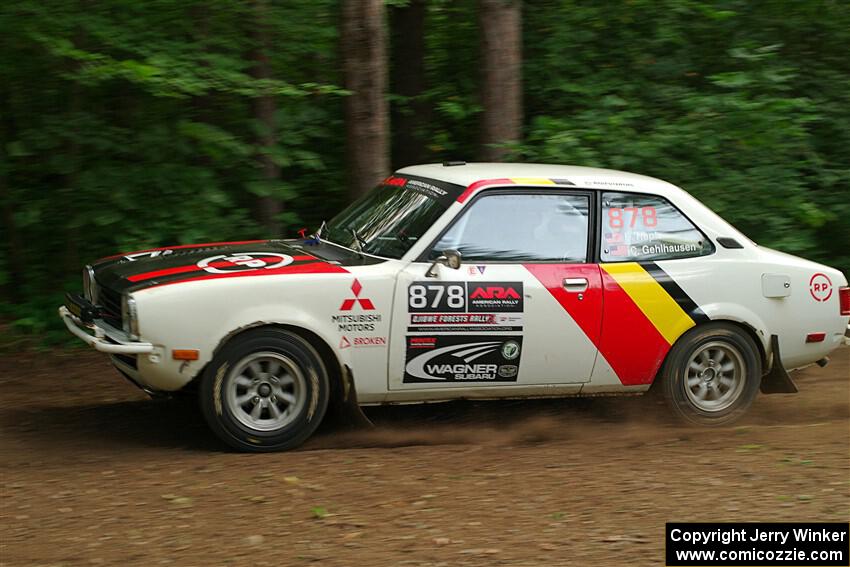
[820, 286]
[244, 262]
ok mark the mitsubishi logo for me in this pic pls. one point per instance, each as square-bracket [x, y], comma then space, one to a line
[348, 304]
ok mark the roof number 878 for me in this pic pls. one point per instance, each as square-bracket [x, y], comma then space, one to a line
[618, 217]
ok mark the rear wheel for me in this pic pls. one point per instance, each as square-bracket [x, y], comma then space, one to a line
[711, 375]
[267, 390]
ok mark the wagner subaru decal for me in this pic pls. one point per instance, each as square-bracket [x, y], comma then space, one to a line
[465, 306]
[478, 358]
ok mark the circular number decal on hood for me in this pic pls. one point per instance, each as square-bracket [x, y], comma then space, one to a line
[245, 262]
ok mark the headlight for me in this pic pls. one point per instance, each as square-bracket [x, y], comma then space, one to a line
[129, 316]
[89, 285]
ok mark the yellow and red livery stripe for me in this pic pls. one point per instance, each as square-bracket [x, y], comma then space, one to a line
[644, 312]
[665, 314]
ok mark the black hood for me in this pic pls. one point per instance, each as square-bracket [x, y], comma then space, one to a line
[163, 266]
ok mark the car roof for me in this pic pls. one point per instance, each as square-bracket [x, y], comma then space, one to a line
[466, 174]
[565, 177]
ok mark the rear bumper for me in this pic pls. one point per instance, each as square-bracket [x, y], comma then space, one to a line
[103, 337]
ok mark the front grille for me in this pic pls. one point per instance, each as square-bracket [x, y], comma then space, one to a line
[128, 359]
[110, 302]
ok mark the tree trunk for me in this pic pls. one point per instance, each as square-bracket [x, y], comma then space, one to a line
[9, 235]
[500, 23]
[364, 54]
[407, 79]
[267, 208]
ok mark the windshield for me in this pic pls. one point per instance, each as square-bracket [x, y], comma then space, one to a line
[388, 220]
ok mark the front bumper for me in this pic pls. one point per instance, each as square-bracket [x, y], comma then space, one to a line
[105, 338]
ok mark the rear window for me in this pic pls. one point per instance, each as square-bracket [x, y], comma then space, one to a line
[638, 228]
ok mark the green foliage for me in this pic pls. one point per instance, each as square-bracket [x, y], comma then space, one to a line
[126, 124]
[742, 105]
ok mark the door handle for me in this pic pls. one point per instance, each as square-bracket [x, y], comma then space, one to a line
[575, 285]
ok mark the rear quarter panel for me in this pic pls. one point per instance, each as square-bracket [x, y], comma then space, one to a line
[728, 286]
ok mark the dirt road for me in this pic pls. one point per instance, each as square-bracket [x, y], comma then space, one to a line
[93, 473]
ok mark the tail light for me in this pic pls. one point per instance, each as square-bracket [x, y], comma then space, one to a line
[812, 337]
[844, 300]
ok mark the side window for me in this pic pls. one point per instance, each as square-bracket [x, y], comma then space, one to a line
[529, 227]
[644, 227]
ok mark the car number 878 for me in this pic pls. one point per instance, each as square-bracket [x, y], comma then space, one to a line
[436, 297]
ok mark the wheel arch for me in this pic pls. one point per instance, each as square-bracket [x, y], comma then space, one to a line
[747, 328]
[339, 375]
[744, 318]
[754, 335]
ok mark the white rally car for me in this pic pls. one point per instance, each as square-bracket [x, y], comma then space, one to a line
[463, 280]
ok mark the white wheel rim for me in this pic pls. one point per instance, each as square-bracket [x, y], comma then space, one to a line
[265, 391]
[714, 377]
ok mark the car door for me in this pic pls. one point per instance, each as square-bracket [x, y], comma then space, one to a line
[524, 307]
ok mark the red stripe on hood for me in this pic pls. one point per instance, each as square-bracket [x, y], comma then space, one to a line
[192, 268]
[309, 268]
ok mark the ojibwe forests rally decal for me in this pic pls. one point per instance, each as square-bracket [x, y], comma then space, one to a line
[465, 306]
[462, 358]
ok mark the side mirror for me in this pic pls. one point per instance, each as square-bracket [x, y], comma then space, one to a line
[450, 258]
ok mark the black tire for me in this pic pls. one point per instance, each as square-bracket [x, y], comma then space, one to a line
[298, 363]
[682, 367]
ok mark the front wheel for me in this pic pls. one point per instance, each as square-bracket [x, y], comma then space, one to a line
[266, 390]
[711, 375]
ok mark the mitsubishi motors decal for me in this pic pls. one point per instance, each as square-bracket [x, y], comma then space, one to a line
[352, 318]
[352, 302]
[462, 358]
[465, 306]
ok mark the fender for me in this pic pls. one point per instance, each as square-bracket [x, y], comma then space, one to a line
[740, 314]
[293, 317]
